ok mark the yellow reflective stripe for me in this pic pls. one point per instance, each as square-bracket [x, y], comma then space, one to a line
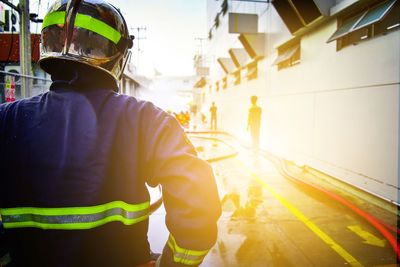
[97, 26]
[75, 210]
[186, 256]
[187, 251]
[85, 22]
[75, 226]
[75, 217]
[54, 18]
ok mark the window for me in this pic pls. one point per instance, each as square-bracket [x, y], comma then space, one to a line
[237, 77]
[36, 74]
[224, 83]
[346, 27]
[252, 71]
[372, 22]
[288, 55]
[239, 56]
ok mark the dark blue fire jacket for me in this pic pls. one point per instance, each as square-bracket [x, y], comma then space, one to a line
[73, 165]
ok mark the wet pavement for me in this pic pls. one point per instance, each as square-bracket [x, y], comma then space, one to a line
[268, 220]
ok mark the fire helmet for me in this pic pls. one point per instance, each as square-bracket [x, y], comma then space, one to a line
[91, 32]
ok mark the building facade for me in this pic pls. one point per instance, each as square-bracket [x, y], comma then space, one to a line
[133, 84]
[327, 77]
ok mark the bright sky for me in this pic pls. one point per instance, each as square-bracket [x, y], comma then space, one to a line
[171, 28]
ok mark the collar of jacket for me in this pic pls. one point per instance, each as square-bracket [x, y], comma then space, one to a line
[81, 77]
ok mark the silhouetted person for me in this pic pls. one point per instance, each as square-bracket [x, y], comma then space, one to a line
[253, 123]
[213, 110]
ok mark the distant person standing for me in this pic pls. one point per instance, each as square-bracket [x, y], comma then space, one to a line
[253, 122]
[213, 111]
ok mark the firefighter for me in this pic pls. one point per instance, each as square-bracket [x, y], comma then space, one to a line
[213, 111]
[75, 160]
[253, 123]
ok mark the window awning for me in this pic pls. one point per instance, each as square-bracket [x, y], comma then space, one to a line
[375, 14]
[202, 71]
[298, 14]
[227, 64]
[225, 82]
[362, 20]
[200, 83]
[237, 76]
[345, 28]
[242, 23]
[252, 71]
[254, 44]
[239, 57]
[217, 86]
[287, 55]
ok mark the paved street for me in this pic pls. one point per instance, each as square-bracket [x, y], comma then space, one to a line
[268, 220]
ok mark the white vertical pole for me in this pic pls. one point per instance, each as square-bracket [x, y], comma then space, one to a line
[25, 47]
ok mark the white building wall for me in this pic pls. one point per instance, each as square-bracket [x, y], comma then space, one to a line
[337, 111]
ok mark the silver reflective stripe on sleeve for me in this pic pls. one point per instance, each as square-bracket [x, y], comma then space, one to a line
[73, 218]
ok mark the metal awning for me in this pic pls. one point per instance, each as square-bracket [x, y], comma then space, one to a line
[237, 76]
[254, 44]
[227, 64]
[239, 57]
[200, 83]
[345, 28]
[242, 23]
[224, 82]
[252, 70]
[362, 20]
[287, 55]
[374, 14]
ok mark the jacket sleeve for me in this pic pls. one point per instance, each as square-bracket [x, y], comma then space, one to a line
[4, 256]
[189, 193]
